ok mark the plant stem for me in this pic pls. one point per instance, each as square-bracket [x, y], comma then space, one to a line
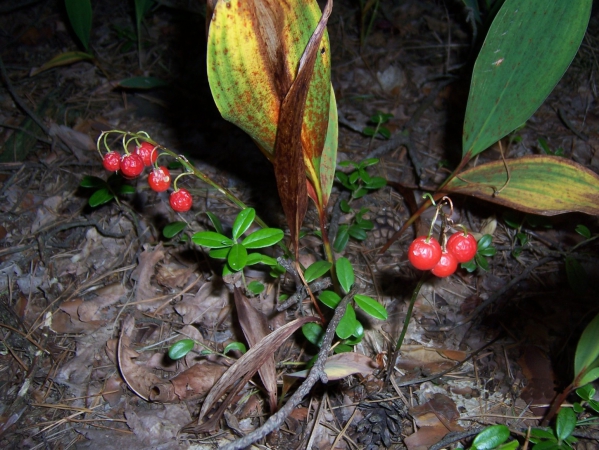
[406, 323]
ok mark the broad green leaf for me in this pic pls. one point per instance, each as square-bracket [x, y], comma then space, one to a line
[512, 445]
[538, 433]
[491, 437]
[538, 184]
[577, 276]
[173, 229]
[371, 307]
[343, 348]
[239, 346]
[179, 349]
[358, 332]
[219, 253]
[376, 183]
[255, 287]
[127, 189]
[347, 324]
[342, 238]
[237, 257]
[215, 222]
[90, 181]
[587, 350]
[583, 231]
[253, 258]
[527, 50]
[80, 16]
[64, 59]
[589, 376]
[242, 222]
[565, 424]
[211, 239]
[357, 232]
[263, 238]
[316, 270]
[100, 197]
[586, 392]
[313, 332]
[345, 274]
[142, 83]
[329, 298]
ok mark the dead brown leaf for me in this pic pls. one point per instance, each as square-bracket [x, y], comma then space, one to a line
[192, 383]
[143, 275]
[255, 328]
[343, 365]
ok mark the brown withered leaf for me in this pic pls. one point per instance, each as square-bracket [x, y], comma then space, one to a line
[139, 378]
[66, 319]
[290, 170]
[540, 379]
[239, 373]
[343, 365]
[436, 418]
[143, 275]
[255, 327]
[191, 383]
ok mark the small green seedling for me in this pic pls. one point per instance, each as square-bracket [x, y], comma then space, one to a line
[234, 250]
[379, 130]
[485, 249]
[105, 191]
[356, 229]
[545, 147]
[359, 182]
[173, 229]
[559, 436]
[494, 437]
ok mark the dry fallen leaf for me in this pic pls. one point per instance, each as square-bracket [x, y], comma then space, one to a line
[143, 275]
[343, 365]
[192, 383]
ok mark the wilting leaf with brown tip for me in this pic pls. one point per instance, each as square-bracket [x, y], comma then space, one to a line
[538, 184]
[255, 327]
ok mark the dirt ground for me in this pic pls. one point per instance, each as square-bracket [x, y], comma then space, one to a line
[92, 298]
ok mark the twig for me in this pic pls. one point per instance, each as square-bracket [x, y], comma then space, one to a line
[316, 373]
[454, 437]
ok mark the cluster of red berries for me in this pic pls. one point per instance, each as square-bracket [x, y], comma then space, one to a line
[132, 165]
[425, 253]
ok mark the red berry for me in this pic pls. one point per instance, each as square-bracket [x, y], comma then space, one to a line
[112, 161]
[159, 179]
[132, 165]
[463, 246]
[148, 153]
[181, 200]
[446, 265]
[424, 255]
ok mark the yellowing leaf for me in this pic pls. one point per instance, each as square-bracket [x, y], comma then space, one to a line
[64, 59]
[538, 184]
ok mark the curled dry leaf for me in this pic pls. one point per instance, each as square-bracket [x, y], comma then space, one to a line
[209, 306]
[192, 383]
[255, 327]
[143, 274]
[66, 319]
[239, 373]
[343, 365]
[139, 378]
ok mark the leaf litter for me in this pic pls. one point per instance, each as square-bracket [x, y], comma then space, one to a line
[105, 308]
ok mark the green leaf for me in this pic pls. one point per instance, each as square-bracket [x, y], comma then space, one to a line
[313, 332]
[489, 251]
[237, 257]
[329, 298]
[215, 222]
[242, 222]
[173, 229]
[316, 270]
[376, 183]
[538, 433]
[545, 185]
[485, 242]
[482, 262]
[347, 324]
[344, 206]
[179, 349]
[508, 84]
[100, 197]
[583, 231]
[357, 232]
[590, 376]
[565, 424]
[345, 274]
[384, 131]
[239, 346]
[343, 348]
[90, 181]
[342, 238]
[586, 392]
[211, 239]
[142, 83]
[371, 307]
[577, 276]
[369, 162]
[587, 350]
[470, 266]
[368, 131]
[263, 238]
[255, 287]
[80, 16]
[358, 332]
[491, 437]
[512, 445]
[127, 189]
[219, 253]
[365, 224]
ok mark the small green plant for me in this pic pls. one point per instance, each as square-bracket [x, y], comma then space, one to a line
[350, 330]
[234, 249]
[181, 348]
[356, 229]
[494, 437]
[378, 120]
[557, 437]
[485, 249]
[359, 182]
[105, 190]
[545, 147]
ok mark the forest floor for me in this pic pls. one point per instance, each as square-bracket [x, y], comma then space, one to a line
[92, 298]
